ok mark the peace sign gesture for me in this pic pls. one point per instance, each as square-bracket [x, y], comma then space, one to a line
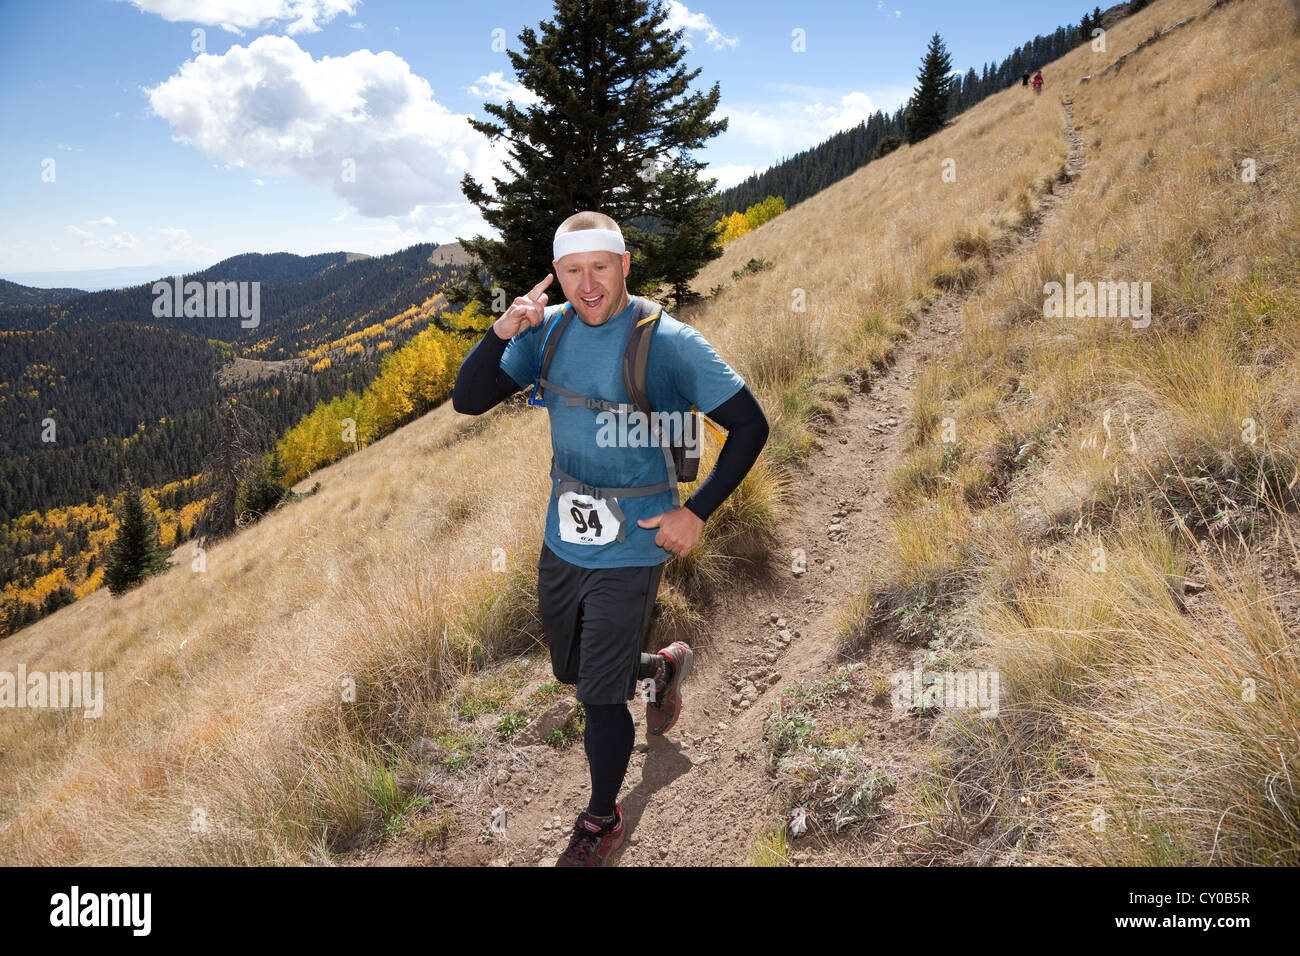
[525, 312]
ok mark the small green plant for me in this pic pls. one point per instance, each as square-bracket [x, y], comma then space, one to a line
[547, 694]
[834, 784]
[919, 620]
[750, 267]
[491, 693]
[772, 848]
[958, 277]
[433, 830]
[509, 725]
[564, 737]
[385, 792]
[460, 745]
[787, 728]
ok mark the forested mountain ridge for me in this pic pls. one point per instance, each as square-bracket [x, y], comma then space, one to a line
[323, 298]
[13, 295]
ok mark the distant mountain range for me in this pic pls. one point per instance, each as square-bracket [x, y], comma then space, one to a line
[96, 280]
[13, 294]
[126, 388]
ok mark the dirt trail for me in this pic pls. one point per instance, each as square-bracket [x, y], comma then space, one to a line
[700, 795]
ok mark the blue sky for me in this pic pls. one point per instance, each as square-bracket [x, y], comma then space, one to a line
[321, 125]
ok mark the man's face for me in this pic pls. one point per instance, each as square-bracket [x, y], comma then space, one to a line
[594, 283]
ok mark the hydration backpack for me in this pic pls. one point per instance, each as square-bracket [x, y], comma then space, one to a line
[682, 456]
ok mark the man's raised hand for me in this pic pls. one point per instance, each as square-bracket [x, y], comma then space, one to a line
[525, 312]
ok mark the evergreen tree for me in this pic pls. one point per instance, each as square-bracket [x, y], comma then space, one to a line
[928, 106]
[886, 146]
[242, 432]
[134, 553]
[687, 238]
[608, 133]
[264, 488]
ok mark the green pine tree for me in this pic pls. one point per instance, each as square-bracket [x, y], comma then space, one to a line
[264, 487]
[611, 132]
[928, 106]
[687, 238]
[134, 553]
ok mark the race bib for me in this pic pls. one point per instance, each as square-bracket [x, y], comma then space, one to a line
[586, 520]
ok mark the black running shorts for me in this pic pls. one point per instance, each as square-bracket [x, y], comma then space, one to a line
[595, 621]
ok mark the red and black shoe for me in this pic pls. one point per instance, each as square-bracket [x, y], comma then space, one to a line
[662, 712]
[592, 843]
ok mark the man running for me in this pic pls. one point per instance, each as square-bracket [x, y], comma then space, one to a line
[596, 592]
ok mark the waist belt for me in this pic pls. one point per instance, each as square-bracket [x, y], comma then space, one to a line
[566, 483]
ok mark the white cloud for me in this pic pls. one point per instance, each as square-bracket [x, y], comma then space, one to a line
[258, 182]
[298, 16]
[106, 221]
[728, 176]
[70, 149]
[122, 240]
[852, 109]
[362, 125]
[494, 86]
[178, 240]
[782, 128]
[357, 26]
[679, 16]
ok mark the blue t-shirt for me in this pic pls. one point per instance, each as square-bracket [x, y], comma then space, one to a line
[683, 370]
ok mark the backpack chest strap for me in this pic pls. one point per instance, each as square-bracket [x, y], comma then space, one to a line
[572, 398]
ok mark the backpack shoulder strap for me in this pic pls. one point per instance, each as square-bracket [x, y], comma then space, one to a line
[636, 353]
[552, 338]
[636, 356]
[559, 322]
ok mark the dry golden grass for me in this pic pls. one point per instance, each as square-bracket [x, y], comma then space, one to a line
[224, 687]
[1125, 735]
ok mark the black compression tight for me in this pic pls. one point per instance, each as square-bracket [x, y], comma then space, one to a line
[608, 741]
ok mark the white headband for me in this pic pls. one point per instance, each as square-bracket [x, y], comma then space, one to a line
[587, 240]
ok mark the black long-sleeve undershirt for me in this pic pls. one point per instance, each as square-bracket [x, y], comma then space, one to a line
[481, 385]
[746, 426]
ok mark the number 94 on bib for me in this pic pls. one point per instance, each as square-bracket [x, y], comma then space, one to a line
[586, 520]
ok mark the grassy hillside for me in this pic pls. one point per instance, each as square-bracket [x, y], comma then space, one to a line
[230, 733]
[1118, 510]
